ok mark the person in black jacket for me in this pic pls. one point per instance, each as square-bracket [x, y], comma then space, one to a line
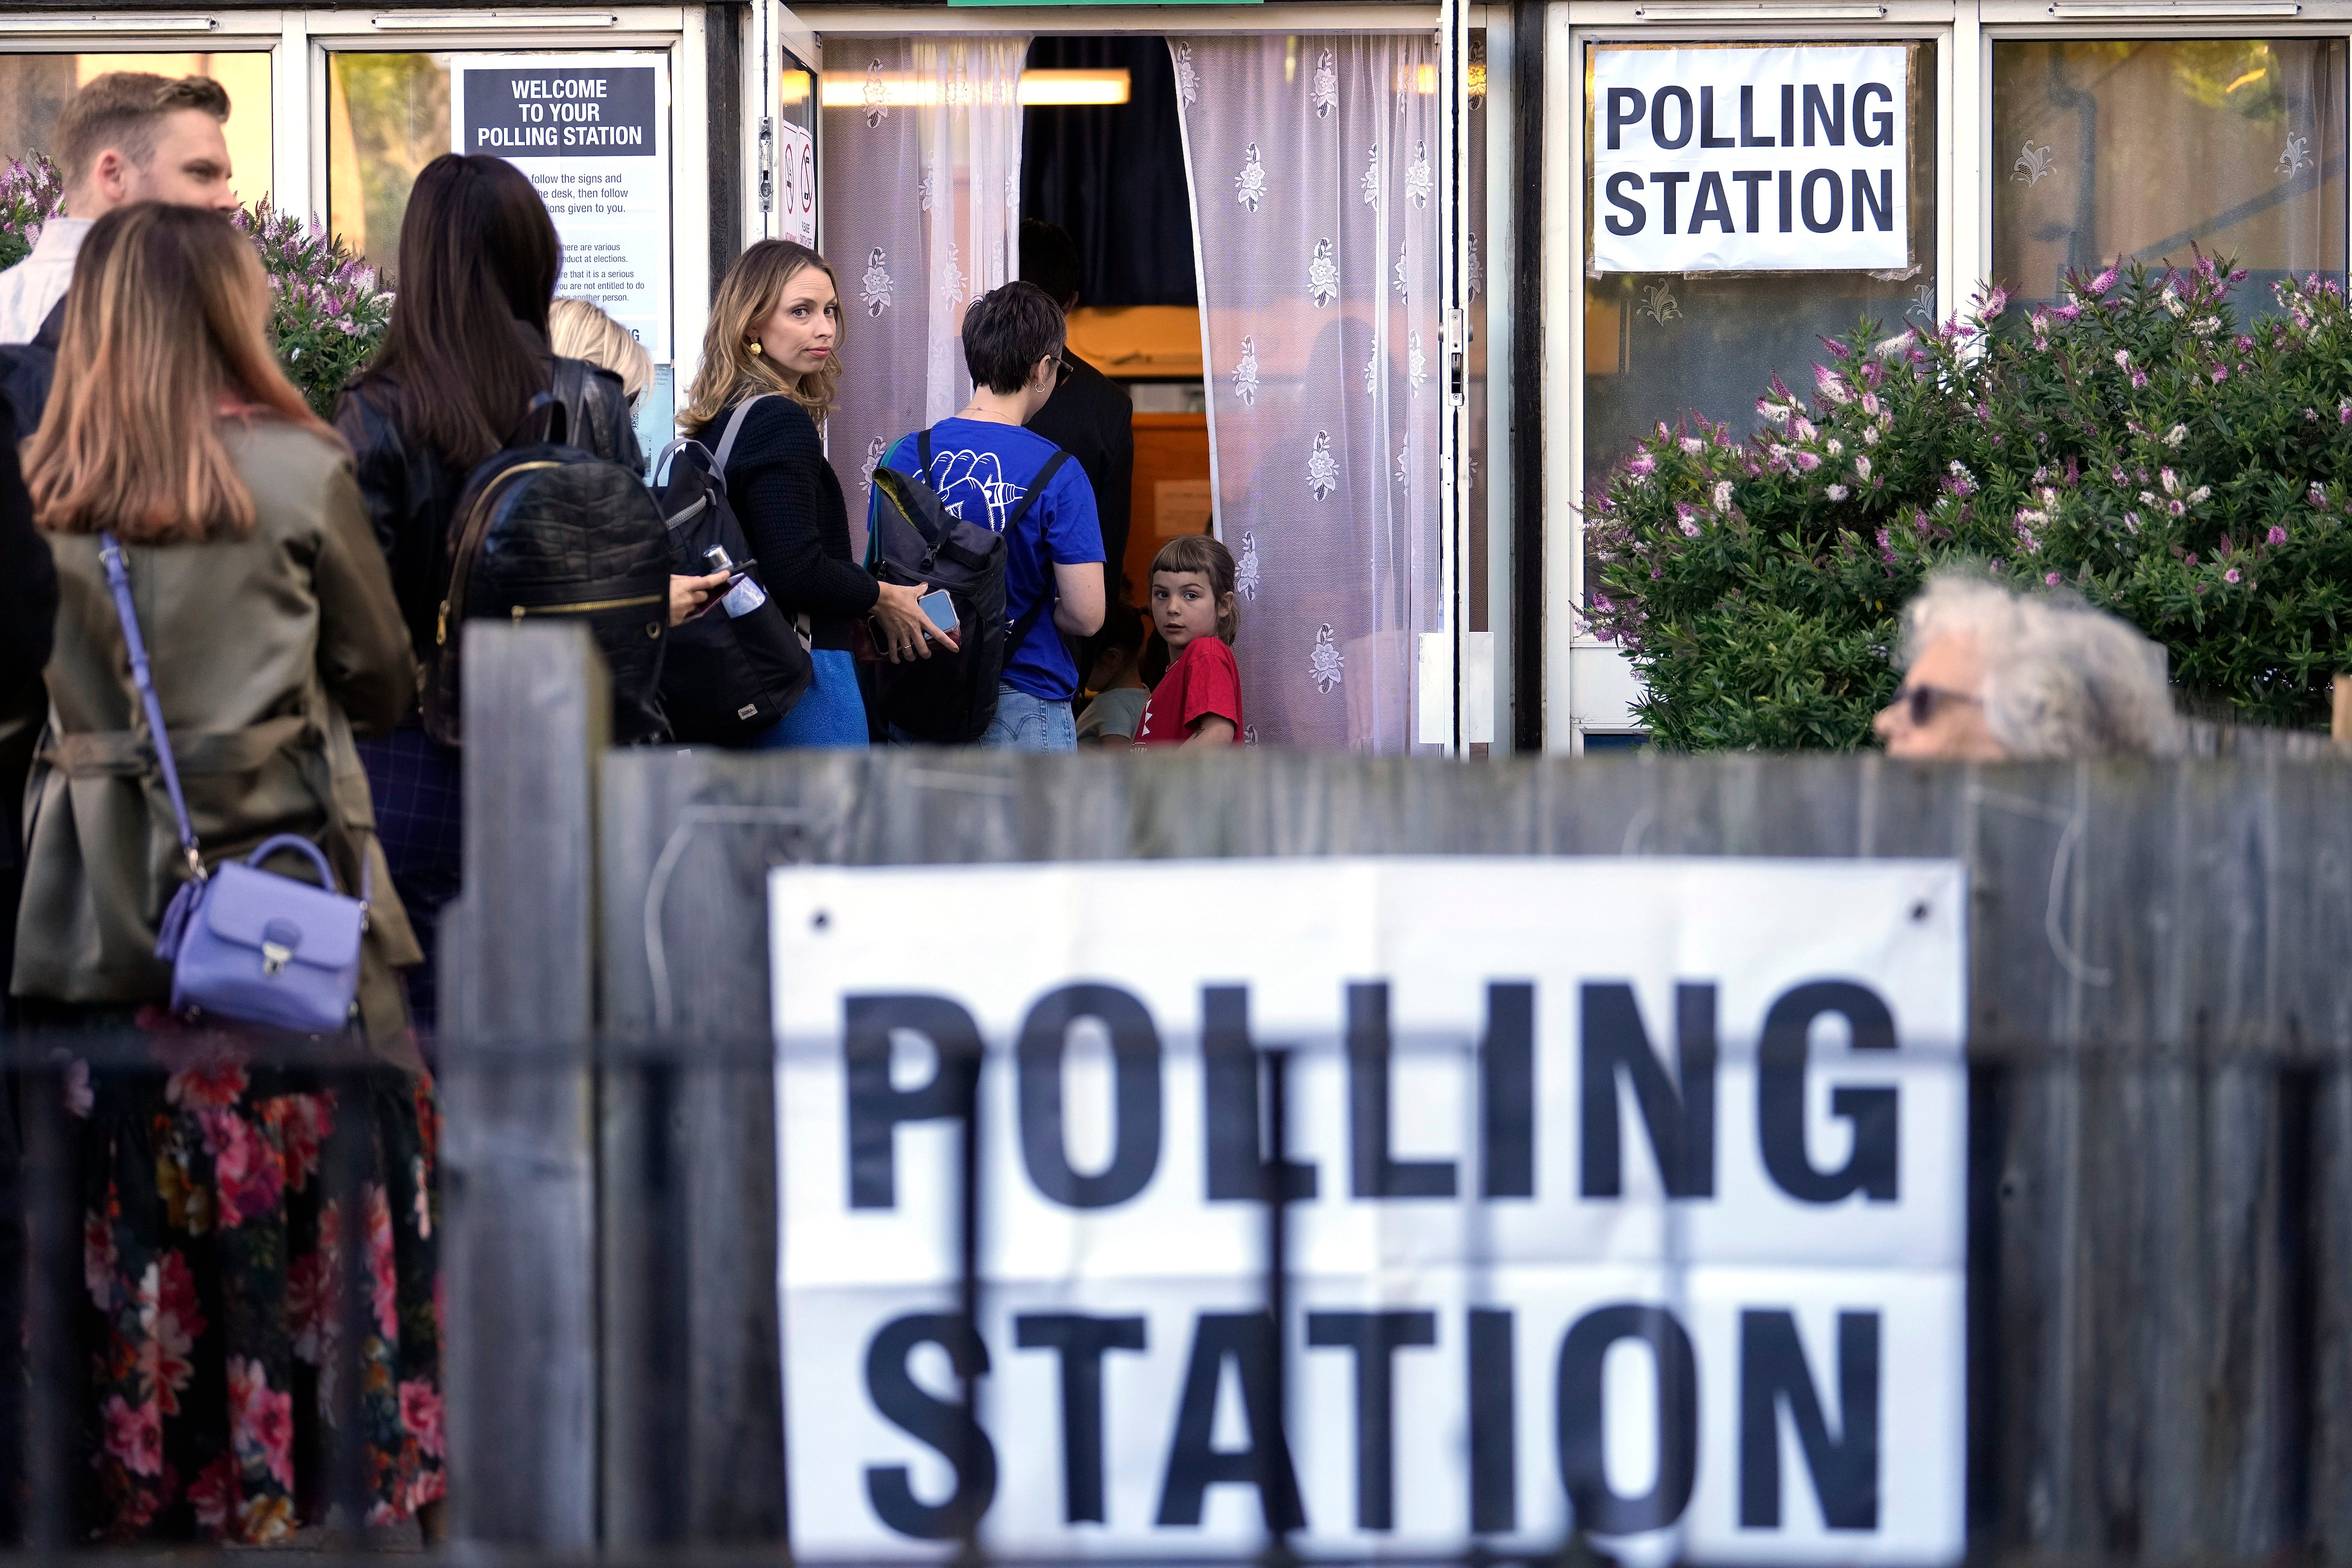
[775, 335]
[464, 354]
[29, 618]
[1089, 416]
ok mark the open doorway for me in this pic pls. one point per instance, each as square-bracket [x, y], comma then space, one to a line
[1105, 165]
[1304, 406]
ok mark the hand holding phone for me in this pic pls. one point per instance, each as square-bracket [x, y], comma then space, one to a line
[939, 609]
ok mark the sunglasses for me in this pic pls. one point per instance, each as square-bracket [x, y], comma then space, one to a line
[1921, 703]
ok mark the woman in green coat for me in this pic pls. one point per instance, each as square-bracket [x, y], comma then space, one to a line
[210, 1247]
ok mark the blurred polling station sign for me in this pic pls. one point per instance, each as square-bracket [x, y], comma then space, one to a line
[1739, 159]
[1625, 1194]
[593, 133]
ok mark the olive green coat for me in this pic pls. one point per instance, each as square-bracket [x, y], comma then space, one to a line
[266, 651]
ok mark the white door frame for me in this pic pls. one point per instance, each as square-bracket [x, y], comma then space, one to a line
[1581, 673]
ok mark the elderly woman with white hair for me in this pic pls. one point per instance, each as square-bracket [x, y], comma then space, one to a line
[1994, 675]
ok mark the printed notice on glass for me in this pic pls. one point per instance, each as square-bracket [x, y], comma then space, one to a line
[1751, 160]
[593, 133]
[1620, 1196]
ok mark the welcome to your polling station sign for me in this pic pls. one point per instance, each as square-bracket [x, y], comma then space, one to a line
[592, 131]
[1789, 159]
[1625, 1194]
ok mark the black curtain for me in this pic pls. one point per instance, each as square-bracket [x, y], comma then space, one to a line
[1113, 175]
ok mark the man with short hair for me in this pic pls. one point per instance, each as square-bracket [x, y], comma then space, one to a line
[127, 136]
[983, 465]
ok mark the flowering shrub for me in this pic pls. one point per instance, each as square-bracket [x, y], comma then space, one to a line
[29, 194]
[327, 316]
[2136, 444]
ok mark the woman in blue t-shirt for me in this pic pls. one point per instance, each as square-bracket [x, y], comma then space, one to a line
[775, 329]
[982, 464]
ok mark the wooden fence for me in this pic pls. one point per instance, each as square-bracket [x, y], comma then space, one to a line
[2161, 1138]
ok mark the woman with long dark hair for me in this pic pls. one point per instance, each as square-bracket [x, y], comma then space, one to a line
[464, 355]
[775, 329]
[210, 1244]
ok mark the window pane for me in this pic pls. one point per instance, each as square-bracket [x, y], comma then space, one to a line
[2140, 148]
[34, 89]
[387, 117]
[1659, 346]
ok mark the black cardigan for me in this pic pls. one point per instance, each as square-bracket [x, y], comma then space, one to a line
[788, 499]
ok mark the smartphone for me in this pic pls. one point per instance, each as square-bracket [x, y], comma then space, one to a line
[940, 609]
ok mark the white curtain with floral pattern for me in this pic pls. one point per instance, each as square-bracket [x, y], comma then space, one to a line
[921, 213]
[1313, 167]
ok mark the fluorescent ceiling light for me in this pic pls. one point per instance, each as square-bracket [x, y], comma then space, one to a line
[89, 24]
[446, 21]
[847, 89]
[1073, 86]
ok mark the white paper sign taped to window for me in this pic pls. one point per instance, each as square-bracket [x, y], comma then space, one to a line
[1627, 1194]
[592, 131]
[1724, 160]
[796, 182]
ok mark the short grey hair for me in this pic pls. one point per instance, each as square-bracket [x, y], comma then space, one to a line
[2061, 679]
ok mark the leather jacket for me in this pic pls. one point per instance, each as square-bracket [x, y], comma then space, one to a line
[411, 492]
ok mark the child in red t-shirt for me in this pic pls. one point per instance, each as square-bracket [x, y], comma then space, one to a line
[1199, 701]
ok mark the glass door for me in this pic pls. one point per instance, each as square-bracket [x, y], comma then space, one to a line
[792, 58]
[587, 117]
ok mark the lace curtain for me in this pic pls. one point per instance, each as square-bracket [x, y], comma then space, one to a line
[921, 213]
[1314, 169]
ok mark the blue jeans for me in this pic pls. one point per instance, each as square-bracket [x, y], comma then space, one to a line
[832, 712]
[1024, 723]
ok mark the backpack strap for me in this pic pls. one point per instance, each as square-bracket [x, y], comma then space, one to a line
[1028, 622]
[734, 428]
[923, 456]
[570, 391]
[110, 551]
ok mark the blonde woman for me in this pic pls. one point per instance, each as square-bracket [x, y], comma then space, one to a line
[577, 329]
[775, 327]
[274, 631]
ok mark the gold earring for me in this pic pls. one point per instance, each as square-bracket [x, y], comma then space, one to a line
[754, 346]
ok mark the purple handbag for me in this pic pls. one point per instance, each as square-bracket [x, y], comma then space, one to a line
[244, 944]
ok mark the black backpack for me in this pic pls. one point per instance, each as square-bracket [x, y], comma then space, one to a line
[732, 673]
[949, 698]
[546, 529]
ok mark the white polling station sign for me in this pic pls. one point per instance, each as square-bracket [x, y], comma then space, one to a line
[1621, 1193]
[1742, 159]
[592, 131]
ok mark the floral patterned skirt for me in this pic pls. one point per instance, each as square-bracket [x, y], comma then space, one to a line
[212, 1260]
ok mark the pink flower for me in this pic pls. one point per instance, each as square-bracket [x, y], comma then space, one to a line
[1994, 304]
[2221, 374]
[2139, 377]
[302, 1122]
[1808, 460]
[2231, 575]
[2101, 283]
[430, 1485]
[206, 1085]
[380, 1262]
[2050, 578]
[99, 1262]
[214, 1494]
[1642, 464]
[2277, 535]
[135, 1436]
[261, 1420]
[245, 1169]
[420, 1414]
[314, 1291]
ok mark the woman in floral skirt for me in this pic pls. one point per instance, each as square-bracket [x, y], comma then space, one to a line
[213, 1260]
